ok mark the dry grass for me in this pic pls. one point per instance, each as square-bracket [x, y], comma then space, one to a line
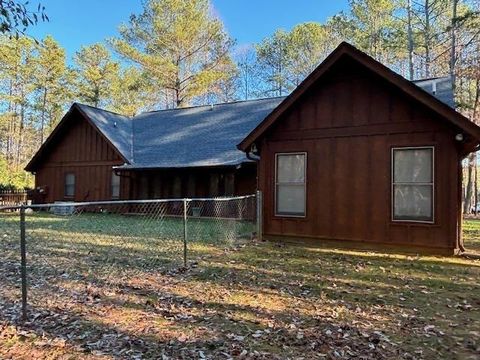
[258, 300]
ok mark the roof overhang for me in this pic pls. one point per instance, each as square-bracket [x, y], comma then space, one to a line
[134, 167]
[33, 163]
[404, 85]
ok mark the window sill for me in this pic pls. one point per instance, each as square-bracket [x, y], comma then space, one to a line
[289, 217]
[414, 223]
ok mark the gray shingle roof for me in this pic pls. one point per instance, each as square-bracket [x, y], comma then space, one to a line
[188, 137]
[203, 135]
[197, 136]
[440, 87]
[117, 128]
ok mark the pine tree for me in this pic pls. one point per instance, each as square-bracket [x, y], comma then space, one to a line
[51, 84]
[274, 56]
[310, 44]
[180, 45]
[96, 73]
[131, 92]
[16, 70]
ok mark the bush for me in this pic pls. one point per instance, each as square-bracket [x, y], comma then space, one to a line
[11, 179]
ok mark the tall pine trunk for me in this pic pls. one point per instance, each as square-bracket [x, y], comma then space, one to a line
[44, 110]
[427, 38]
[470, 193]
[410, 40]
[468, 201]
[453, 54]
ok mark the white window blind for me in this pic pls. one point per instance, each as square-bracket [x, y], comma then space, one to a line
[290, 184]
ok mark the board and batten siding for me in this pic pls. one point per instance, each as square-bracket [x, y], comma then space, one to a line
[83, 151]
[348, 124]
[195, 182]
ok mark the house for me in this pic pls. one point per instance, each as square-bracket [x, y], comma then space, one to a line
[95, 154]
[358, 155]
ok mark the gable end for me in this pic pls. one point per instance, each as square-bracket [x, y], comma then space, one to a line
[55, 139]
[472, 131]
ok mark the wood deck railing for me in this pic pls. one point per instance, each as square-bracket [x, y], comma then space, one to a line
[12, 198]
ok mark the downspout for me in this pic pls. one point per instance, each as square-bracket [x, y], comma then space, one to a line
[460, 204]
[251, 155]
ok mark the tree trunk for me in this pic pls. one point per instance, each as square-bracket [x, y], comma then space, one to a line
[44, 106]
[467, 204]
[178, 100]
[96, 96]
[410, 41]
[427, 38]
[21, 133]
[453, 54]
[10, 122]
[475, 187]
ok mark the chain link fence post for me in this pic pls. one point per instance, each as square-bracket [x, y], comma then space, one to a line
[185, 209]
[259, 198]
[23, 263]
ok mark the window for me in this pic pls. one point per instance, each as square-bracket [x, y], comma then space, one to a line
[290, 177]
[412, 184]
[115, 186]
[69, 185]
[214, 185]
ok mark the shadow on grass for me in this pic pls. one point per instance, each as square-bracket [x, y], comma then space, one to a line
[192, 326]
[299, 290]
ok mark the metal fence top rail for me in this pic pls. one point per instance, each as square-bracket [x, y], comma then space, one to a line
[121, 202]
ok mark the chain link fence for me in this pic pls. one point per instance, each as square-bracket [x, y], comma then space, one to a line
[64, 247]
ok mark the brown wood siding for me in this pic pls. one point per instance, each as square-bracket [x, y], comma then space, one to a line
[195, 182]
[84, 152]
[348, 125]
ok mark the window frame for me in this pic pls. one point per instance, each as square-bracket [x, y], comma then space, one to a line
[65, 195]
[115, 197]
[392, 184]
[292, 215]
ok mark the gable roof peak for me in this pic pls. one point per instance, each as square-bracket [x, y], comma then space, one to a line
[409, 88]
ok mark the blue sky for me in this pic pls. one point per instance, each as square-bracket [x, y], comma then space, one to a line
[81, 22]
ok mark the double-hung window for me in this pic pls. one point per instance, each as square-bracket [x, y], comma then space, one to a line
[290, 184]
[69, 189]
[413, 184]
[115, 186]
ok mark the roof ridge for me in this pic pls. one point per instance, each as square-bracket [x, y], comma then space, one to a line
[216, 104]
[105, 110]
[132, 141]
[431, 78]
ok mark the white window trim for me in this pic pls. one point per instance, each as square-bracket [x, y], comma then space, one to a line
[392, 184]
[304, 215]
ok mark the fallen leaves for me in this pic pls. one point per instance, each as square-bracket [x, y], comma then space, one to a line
[259, 301]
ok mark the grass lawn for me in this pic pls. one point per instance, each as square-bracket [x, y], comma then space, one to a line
[110, 288]
[471, 233]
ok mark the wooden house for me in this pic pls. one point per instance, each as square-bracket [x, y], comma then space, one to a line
[95, 154]
[357, 154]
